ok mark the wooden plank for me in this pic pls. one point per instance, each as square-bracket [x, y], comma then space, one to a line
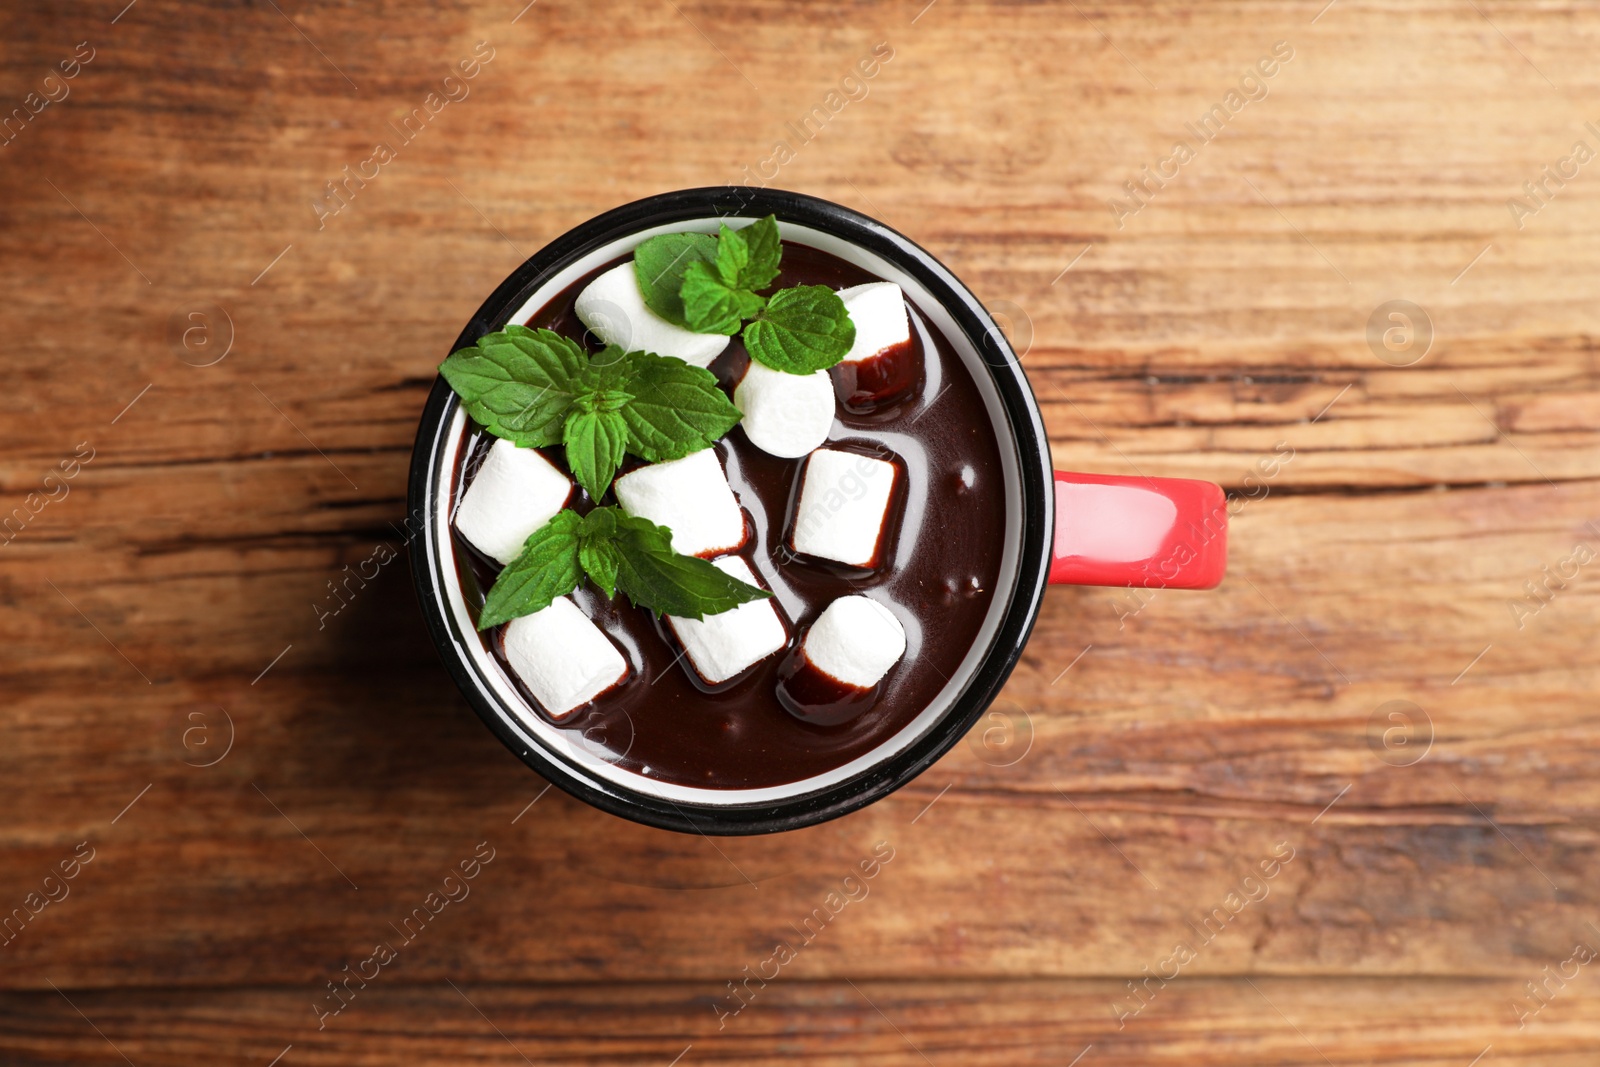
[321, 848]
[799, 1019]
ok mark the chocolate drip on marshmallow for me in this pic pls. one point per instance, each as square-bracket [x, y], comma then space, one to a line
[843, 507]
[834, 674]
[881, 369]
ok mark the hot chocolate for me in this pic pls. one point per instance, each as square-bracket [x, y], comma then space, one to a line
[905, 513]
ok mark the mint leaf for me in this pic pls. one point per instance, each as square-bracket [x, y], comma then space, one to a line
[608, 370]
[599, 525]
[765, 248]
[733, 256]
[600, 560]
[596, 550]
[518, 383]
[596, 441]
[546, 568]
[710, 304]
[802, 330]
[676, 409]
[659, 265]
[655, 577]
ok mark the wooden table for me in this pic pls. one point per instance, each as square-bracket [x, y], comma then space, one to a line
[233, 375]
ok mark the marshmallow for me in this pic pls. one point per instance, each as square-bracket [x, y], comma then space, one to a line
[855, 641]
[563, 658]
[721, 646]
[689, 496]
[614, 310]
[878, 310]
[515, 491]
[785, 414]
[844, 501]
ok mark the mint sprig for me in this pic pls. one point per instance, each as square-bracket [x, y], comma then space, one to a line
[801, 330]
[618, 552]
[798, 330]
[537, 388]
[720, 293]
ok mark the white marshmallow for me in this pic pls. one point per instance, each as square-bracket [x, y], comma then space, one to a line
[785, 414]
[878, 310]
[689, 496]
[721, 646]
[515, 491]
[843, 503]
[855, 640]
[614, 310]
[563, 658]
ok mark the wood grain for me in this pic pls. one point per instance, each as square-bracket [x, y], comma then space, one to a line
[1149, 752]
[998, 1022]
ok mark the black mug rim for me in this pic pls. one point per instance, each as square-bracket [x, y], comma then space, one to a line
[1037, 512]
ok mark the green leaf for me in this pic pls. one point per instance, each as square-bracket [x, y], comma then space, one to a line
[595, 546]
[599, 524]
[733, 256]
[676, 409]
[765, 248]
[518, 383]
[546, 568]
[597, 550]
[608, 371]
[655, 577]
[596, 441]
[600, 561]
[710, 305]
[802, 330]
[659, 265]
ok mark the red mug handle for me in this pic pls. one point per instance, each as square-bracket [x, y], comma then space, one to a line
[1159, 533]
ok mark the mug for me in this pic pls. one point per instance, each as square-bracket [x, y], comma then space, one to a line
[1085, 529]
